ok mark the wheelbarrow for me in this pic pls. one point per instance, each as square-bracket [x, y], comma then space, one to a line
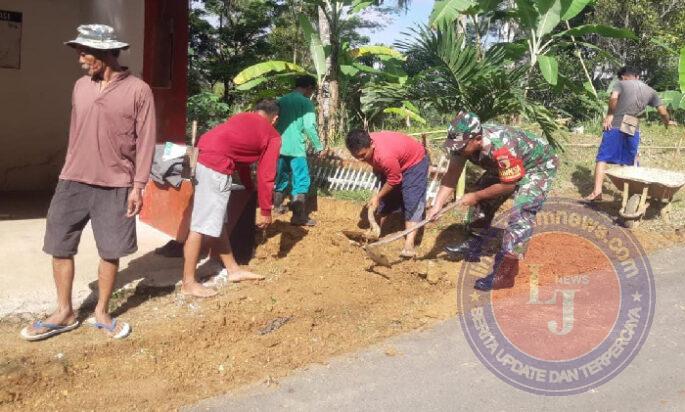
[640, 185]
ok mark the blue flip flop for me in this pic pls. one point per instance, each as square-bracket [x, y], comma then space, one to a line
[52, 330]
[125, 328]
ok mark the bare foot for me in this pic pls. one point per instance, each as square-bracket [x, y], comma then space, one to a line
[408, 253]
[593, 197]
[57, 318]
[197, 290]
[240, 275]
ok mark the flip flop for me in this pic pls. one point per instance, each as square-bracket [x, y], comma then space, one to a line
[52, 330]
[219, 279]
[125, 330]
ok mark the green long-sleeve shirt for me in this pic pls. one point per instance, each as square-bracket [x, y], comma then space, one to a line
[297, 119]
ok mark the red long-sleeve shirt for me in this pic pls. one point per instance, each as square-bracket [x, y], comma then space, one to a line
[243, 139]
[394, 153]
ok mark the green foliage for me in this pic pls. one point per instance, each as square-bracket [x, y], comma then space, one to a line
[681, 70]
[359, 196]
[601, 29]
[659, 25]
[255, 74]
[446, 11]
[453, 76]
[375, 51]
[407, 112]
[549, 68]
[318, 53]
[224, 37]
[208, 109]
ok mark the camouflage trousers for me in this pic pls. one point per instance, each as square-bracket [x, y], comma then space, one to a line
[529, 197]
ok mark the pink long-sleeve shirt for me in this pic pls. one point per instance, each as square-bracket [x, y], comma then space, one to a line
[394, 153]
[112, 133]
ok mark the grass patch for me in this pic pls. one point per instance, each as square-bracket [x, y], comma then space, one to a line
[359, 196]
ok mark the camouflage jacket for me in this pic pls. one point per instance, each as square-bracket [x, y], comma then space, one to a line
[515, 154]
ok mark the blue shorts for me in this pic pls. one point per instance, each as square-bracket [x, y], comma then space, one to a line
[618, 148]
[410, 195]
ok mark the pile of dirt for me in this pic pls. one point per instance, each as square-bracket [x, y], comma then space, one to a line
[322, 297]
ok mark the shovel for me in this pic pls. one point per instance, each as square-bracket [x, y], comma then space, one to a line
[378, 257]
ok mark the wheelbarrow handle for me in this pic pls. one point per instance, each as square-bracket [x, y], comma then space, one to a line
[424, 222]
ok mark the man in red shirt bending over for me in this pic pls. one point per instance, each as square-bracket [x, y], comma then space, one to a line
[402, 164]
[232, 146]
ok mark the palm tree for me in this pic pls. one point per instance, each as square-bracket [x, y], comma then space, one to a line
[450, 73]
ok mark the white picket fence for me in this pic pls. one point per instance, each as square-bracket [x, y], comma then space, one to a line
[340, 172]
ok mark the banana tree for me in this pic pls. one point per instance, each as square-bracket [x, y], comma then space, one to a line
[537, 21]
[352, 63]
[331, 14]
[407, 111]
[259, 73]
[359, 68]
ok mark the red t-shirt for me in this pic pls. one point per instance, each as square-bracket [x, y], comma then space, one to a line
[244, 139]
[394, 153]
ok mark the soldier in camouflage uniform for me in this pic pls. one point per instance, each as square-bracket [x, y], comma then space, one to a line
[517, 163]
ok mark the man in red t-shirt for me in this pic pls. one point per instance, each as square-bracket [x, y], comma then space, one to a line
[402, 164]
[232, 146]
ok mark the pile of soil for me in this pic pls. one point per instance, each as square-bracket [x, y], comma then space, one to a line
[322, 297]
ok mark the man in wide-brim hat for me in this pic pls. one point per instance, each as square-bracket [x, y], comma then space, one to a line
[111, 143]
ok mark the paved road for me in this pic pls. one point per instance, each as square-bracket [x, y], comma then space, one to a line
[435, 370]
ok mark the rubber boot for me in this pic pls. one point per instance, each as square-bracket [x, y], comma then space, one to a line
[470, 249]
[279, 208]
[300, 215]
[503, 274]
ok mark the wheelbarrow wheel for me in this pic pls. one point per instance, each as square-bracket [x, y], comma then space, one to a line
[631, 209]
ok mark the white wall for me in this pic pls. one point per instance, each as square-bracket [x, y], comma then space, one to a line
[35, 101]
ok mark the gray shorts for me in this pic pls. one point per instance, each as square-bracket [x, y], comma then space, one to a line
[210, 201]
[74, 204]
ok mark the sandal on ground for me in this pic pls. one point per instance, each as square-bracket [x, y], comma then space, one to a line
[218, 280]
[52, 330]
[125, 327]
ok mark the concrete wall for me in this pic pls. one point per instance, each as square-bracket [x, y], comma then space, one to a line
[35, 101]
[128, 19]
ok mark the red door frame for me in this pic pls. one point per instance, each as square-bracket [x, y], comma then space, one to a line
[170, 99]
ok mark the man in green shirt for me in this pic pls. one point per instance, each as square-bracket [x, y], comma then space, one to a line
[297, 119]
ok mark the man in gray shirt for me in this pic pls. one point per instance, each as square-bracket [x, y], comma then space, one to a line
[629, 98]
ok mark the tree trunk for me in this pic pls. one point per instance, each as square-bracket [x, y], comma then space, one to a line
[322, 95]
[333, 74]
[226, 82]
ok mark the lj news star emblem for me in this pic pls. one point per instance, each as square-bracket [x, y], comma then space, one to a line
[579, 313]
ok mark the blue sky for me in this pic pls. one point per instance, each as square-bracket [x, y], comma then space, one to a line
[418, 13]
